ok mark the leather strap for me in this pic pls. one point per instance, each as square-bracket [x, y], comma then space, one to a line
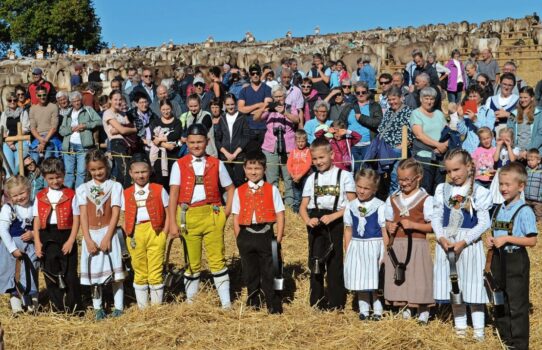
[167, 266]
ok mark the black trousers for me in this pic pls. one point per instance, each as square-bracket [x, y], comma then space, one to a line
[120, 169]
[256, 139]
[511, 272]
[432, 175]
[55, 262]
[236, 172]
[257, 265]
[318, 246]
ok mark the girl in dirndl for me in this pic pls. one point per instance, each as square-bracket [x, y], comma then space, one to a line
[100, 200]
[408, 215]
[460, 217]
[17, 239]
[363, 227]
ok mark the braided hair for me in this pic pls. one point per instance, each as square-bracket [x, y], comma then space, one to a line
[466, 159]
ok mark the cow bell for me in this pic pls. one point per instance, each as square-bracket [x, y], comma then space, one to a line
[61, 283]
[316, 269]
[278, 284]
[456, 298]
[497, 298]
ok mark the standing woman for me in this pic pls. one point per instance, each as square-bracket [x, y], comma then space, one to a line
[76, 129]
[525, 121]
[279, 140]
[196, 115]
[8, 121]
[427, 125]
[456, 78]
[216, 85]
[117, 128]
[166, 133]
[342, 72]
[23, 100]
[231, 136]
[216, 110]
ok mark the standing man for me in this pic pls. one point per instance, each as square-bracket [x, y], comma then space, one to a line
[162, 94]
[43, 126]
[38, 81]
[254, 99]
[510, 67]
[385, 84]
[294, 96]
[146, 86]
[130, 83]
[424, 67]
[368, 74]
[488, 65]
[319, 75]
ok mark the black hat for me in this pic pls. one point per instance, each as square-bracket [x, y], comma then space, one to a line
[197, 129]
[255, 67]
[140, 158]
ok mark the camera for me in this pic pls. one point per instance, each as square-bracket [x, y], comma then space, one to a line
[272, 106]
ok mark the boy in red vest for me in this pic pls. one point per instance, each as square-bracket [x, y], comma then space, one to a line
[145, 224]
[195, 182]
[56, 224]
[257, 205]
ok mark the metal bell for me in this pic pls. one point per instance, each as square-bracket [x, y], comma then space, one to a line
[497, 298]
[61, 282]
[316, 270]
[278, 284]
[456, 298]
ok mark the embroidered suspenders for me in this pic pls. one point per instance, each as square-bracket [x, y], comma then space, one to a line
[328, 190]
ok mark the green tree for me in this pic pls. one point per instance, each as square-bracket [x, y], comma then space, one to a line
[55, 22]
[5, 38]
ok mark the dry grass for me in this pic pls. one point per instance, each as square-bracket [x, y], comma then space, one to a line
[203, 325]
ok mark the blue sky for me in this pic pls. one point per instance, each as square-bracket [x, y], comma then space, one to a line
[152, 22]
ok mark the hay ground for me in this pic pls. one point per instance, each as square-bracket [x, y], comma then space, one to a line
[203, 325]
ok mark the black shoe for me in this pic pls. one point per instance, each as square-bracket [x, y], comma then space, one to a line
[362, 317]
[376, 317]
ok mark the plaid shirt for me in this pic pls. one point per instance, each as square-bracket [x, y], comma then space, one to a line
[533, 190]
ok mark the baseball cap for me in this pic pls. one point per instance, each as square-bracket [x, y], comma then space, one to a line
[37, 71]
[198, 80]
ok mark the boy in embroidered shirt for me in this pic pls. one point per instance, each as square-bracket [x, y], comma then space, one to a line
[299, 164]
[56, 224]
[195, 189]
[256, 207]
[325, 196]
[514, 228]
[533, 189]
[145, 224]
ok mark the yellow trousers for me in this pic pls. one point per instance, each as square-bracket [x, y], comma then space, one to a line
[205, 225]
[148, 255]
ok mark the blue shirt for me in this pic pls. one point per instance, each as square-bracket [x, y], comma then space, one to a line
[354, 125]
[524, 224]
[368, 75]
[251, 97]
[310, 128]
[484, 117]
[334, 80]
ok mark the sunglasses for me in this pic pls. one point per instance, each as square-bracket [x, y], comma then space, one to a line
[306, 86]
[42, 95]
[20, 94]
[11, 100]
[346, 86]
[255, 73]
[384, 82]
[199, 85]
[481, 82]
[361, 93]
[147, 76]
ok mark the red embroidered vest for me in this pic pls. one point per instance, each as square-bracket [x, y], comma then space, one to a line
[154, 205]
[64, 214]
[211, 181]
[259, 202]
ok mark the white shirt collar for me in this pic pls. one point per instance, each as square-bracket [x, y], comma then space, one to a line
[198, 159]
[144, 188]
[255, 186]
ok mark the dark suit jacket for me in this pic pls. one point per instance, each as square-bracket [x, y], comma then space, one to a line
[240, 137]
[139, 87]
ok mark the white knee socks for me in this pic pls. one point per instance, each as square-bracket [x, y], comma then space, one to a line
[363, 303]
[16, 304]
[378, 309]
[478, 320]
[460, 319]
[118, 295]
[423, 313]
[222, 284]
[191, 287]
[157, 293]
[142, 295]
